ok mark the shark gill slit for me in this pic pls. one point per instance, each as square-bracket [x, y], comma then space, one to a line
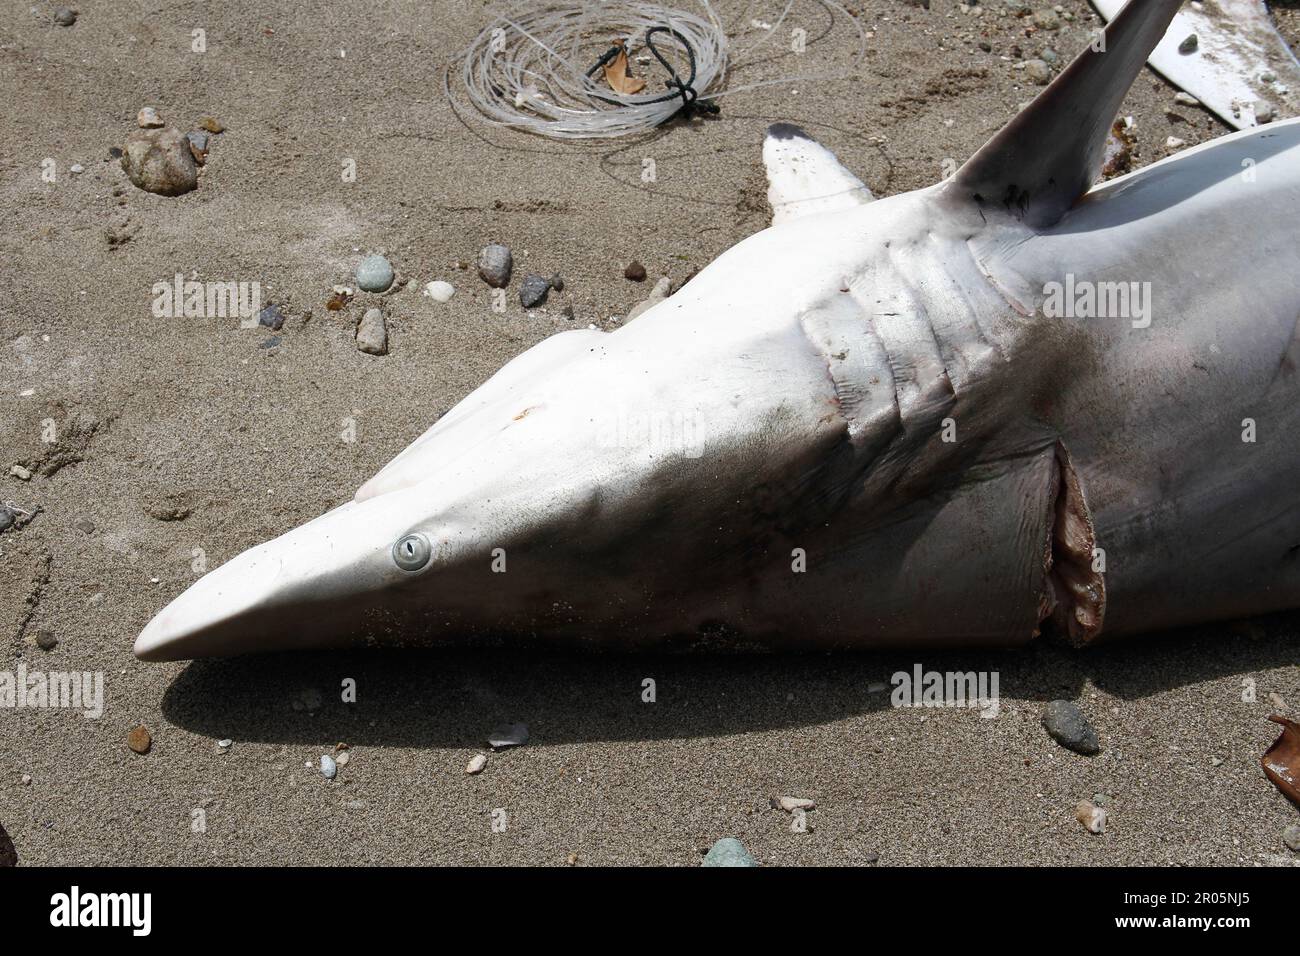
[1074, 594]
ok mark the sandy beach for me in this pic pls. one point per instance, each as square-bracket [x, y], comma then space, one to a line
[155, 445]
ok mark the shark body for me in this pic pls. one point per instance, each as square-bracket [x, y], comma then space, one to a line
[959, 415]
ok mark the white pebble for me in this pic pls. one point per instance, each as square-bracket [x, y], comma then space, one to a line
[343, 759]
[790, 804]
[440, 291]
[27, 780]
[476, 763]
[327, 767]
[1173, 142]
[77, 169]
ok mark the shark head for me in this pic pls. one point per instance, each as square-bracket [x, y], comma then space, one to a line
[783, 412]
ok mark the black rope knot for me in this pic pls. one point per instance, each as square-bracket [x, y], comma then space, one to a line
[677, 87]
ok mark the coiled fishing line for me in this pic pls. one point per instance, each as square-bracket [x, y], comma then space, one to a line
[539, 66]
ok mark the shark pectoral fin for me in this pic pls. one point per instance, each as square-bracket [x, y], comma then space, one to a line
[1050, 154]
[1237, 50]
[804, 177]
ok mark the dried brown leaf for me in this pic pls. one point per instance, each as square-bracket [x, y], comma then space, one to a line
[618, 74]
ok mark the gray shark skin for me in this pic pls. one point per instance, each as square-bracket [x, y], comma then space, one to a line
[956, 416]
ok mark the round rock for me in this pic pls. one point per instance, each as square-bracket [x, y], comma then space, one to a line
[495, 264]
[328, 769]
[1038, 72]
[729, 852]
[374, 274]
[634, 271]
[65, 16]
[440, 291]
[1291, 837]
[139, 740]
[159, 161]
[1069, 728]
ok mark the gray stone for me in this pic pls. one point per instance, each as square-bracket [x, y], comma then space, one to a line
[198, 141]
[148, 118]
[46, 640]
[272, 317]
[1038, 72]
[7, 518]
[495, 263]
[374, 274]
[372, 334]
[328, 769]
[1189, 45]
[65, 16]
[1264, 112]
[634, 271]
[1047, 20]
[508, 735]
[1291, 837]
[1070, 728]
[159, 161]
[533, 291]
[557, 282]
[729, 852]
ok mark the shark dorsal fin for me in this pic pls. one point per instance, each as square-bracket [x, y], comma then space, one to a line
[1051, 153]
[804, 177]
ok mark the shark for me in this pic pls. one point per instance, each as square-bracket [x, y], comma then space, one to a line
[1017, 402]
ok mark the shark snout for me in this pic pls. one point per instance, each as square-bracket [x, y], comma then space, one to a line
[306, 587]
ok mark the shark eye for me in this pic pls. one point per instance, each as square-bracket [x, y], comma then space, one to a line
[412, 552]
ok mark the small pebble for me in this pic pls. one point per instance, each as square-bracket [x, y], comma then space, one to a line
[728, 852]
[148, 118]
[634, 271]
[1091, 816]
[46, 640]
[791, 804]
[198, 142]
[476, 763]
[271, 343]
[139, 740]
[1173, 142]
[65, 16]
[374, 274]
[1047, 20]
[21, 473]
[272, 317]
[1264, 111]
[224, 745]
[27, 780]
[557, 282]
[7, 518]
[495, 264]
[1189, 45]
[533, 291]
[1070, 728]
[343, 759]
[372, 334]
[76, 169]
[1291, 837]
[508, 735]
[84, 525]
[328, 768]
[212, 125]
[440, 291]
[1038, 72]
[1186, 99]
[986, 46]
